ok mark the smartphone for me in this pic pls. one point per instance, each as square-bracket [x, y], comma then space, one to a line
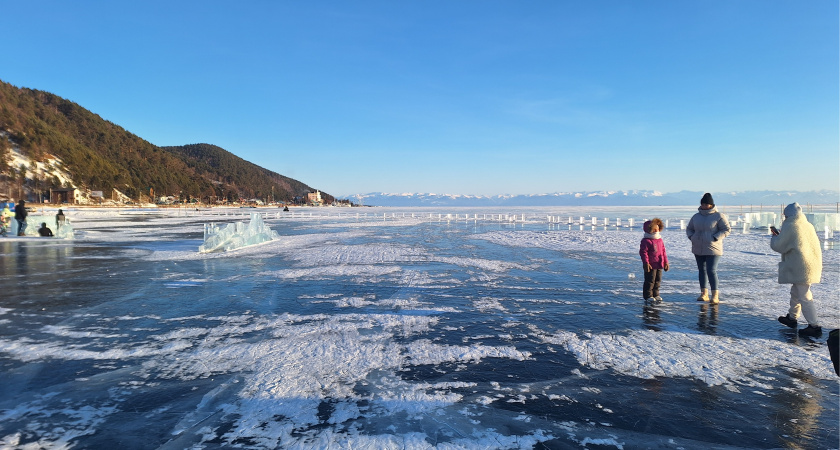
[774, 230]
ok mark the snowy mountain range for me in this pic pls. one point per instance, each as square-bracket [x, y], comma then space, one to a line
[598, 198]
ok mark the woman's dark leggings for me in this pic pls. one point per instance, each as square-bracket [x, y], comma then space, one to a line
[707, 268]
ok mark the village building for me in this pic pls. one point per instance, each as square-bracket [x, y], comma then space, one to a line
[314, 198]
[66, 195]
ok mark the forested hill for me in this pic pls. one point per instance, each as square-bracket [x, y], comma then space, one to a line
[232, 172]
[100, 155]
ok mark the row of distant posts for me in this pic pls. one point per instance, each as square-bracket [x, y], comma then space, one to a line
[825, 222]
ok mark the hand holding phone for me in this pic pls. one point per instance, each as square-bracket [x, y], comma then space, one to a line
[774, 230]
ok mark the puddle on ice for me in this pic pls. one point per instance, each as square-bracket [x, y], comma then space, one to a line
[401, 333]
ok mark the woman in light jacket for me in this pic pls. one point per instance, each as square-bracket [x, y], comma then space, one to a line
[706, 229]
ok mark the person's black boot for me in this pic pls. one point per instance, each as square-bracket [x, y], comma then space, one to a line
[786, 320]
[811, 331]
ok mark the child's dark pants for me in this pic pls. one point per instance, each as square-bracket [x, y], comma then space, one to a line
[653, 279]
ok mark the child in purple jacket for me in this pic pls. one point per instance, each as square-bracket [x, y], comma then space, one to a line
[654, 259]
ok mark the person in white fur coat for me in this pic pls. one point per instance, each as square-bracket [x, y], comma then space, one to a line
[801, 266]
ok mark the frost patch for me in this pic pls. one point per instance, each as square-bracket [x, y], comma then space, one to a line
[715, 360]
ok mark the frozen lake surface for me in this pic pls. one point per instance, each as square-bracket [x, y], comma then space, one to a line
[370, 328]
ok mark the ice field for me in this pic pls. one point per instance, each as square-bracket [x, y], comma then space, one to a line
[370, 328]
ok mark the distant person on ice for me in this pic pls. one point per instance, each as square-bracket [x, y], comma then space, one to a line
[654, 259]
[44, 231]
[59, 220]
[20, 216]
[801, 266]
[5, 219]
[706, 230]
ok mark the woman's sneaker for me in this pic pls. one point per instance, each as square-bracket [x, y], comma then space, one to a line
[786, 320]
[811, 331]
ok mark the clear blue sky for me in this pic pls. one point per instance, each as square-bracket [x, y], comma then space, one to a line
[459, 97]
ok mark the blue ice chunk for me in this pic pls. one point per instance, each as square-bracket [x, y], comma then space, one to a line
[236, 235]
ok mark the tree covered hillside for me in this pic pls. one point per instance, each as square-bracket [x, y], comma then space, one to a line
[100, 155]
[233, 173]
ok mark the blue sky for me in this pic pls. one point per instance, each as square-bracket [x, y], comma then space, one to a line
[460, 97]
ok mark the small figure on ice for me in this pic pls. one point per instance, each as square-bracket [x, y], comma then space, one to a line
[801, 266]
[44, 231]
[654, 259]
[60, 219]
[20, 216]
[5, 220]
